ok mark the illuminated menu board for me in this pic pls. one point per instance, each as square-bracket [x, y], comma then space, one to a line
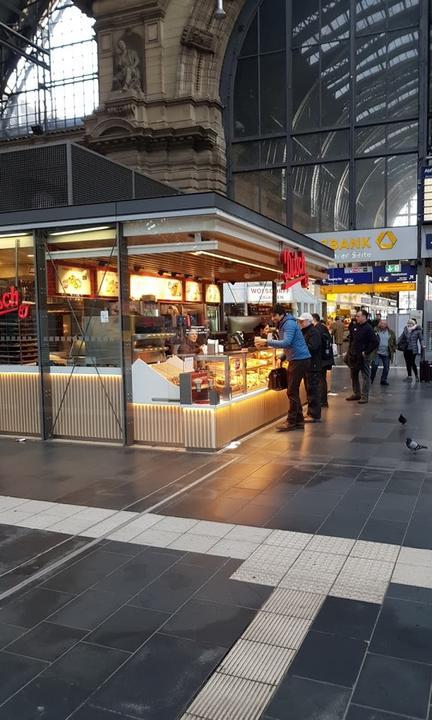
[213, 294]
[73, 281]
[161, 288]
[193, 291]
[107, 283]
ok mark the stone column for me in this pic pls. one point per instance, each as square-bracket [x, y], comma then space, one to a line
[159, 70]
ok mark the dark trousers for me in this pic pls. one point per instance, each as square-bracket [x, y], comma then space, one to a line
[410, 361]
[364, 370]
[312, 382]
[297, 370]
[385, 359]
[323, 389]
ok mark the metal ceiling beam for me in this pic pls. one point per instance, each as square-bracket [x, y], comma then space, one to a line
[12, 6]
[27, 56]
[23, 38]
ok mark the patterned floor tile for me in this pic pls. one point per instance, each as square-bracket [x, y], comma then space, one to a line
[286, 538]
[332, 545]
[375, 551]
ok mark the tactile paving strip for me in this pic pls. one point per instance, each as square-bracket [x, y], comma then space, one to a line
[294, 603]
[279, 630]
[225, 697]
[257, 661]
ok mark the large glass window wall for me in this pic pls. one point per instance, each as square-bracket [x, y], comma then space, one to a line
[66, 93]
[324, 122]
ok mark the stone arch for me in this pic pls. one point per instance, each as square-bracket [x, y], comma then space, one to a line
[203, 45]
[112, 127]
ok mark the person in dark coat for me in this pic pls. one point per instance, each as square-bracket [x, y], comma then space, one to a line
[327, 357]
[312, 377]
[411, 343]
[363, 342]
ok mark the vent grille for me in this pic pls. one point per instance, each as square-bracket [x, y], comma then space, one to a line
[37, 178]
[33, 179]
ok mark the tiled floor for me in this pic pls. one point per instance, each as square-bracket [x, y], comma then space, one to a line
[294, 582]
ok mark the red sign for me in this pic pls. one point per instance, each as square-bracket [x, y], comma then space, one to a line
[293, 269]
[11, 302]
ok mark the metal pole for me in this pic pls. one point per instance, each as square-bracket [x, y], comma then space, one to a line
[126, 338]
[41, 293]
[423, 140]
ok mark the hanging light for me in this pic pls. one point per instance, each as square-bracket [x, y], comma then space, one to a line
[220, 12]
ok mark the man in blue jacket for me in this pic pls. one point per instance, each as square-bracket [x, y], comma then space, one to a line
[295, 350]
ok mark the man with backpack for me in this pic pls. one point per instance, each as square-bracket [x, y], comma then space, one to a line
[312, 379]
[327, 357]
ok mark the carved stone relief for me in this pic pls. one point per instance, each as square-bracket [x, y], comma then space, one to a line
[128, 64]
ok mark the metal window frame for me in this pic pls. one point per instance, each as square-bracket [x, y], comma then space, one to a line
[228, 75]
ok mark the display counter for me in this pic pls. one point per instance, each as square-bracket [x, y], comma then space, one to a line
[201, 402]
[206, 401]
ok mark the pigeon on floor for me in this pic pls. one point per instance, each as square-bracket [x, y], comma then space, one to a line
[414, 445]
[402, 419]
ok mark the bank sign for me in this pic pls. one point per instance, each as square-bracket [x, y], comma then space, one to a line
[386, 244]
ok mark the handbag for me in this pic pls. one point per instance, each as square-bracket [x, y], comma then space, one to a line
[277, 379]
[402, 343]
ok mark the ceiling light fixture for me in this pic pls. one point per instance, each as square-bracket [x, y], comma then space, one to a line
[239, 262]
[220, 13]
[15, 235]
[80, 230]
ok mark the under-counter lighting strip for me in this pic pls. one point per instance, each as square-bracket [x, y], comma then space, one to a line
[239, 262]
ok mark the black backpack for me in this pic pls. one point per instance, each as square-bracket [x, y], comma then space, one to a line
[326, 348]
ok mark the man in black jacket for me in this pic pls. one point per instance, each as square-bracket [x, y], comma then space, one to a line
[362, 343]
[312, 377]
[327, 357]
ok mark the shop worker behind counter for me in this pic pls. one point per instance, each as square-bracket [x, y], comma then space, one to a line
[363, 342]
[295, 350]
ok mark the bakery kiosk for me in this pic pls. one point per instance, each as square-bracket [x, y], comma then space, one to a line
[111, 292]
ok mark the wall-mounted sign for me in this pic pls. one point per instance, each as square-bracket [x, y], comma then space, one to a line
[107, 283]
[73, 281]
[293, 269]
[369, 288]
[346, 276]
[162, 288]
[393, 267]
[10, 302]
[213, 295]
[398, 243]
[426, 194]
[193, 291]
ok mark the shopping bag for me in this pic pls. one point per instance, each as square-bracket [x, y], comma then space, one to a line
[335, 350]
[277, 379]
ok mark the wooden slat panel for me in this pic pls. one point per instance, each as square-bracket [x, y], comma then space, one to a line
[159, 424]
[19, 403]
[199, 428]
[86, 412]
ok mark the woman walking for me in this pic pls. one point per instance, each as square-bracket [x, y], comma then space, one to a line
[411, 343]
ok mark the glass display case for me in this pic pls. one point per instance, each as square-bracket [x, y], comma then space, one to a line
[237, 373]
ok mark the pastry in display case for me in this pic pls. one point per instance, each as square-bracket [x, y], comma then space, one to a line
[240, 372]
[259, 364]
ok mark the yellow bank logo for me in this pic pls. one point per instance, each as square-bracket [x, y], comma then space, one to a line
[386, 240]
